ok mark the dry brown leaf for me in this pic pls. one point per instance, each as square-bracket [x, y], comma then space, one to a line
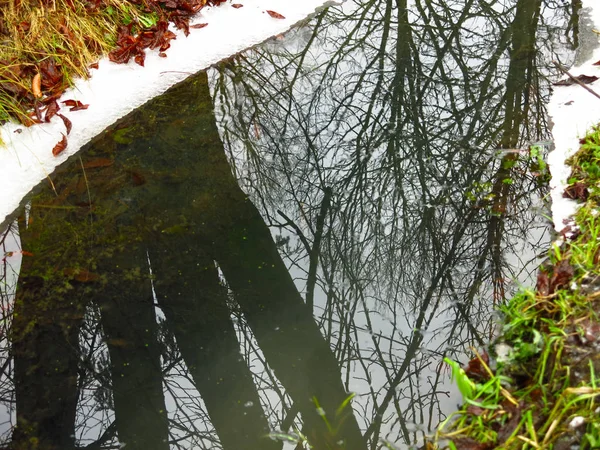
[275, 15]
[543, 284]
[51, 110]
[563, 272]
[67, 122]
[585, 79]
[36, 85]
[75, 105]
[576, 191]
[60, 147]
[476, 369]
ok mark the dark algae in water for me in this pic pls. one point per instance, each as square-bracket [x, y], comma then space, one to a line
[117, 210]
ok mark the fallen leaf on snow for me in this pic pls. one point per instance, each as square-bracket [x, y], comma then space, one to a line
[51, 110]
[67, 122]
[60, 147]
[75, 105]
[275, 15]
[585, 79]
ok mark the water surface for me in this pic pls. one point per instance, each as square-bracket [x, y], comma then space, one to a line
[289, 244]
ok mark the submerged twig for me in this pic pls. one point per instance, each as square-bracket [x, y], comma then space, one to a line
[575, 80]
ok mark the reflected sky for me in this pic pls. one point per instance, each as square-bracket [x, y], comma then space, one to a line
[291, 242]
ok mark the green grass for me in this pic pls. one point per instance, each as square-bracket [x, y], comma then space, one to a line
[69, 35]
[545, 392]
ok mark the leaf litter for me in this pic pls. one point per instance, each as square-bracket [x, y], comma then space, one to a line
[33, 85]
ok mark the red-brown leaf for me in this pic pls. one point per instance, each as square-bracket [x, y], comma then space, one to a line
[275, 15]
[182, 23]
[563, 272]
[75, 105]
[585, 79]
[71, 102]
[94, 65]
[140, 58]
[120, 55]
[127, 46]
[476, 370]
[237, 5]
[159, 36]
[198, 25]
[576, 191]
[543, 284]
[38, 111]
[51, 110]
[52, 75]
[60, 147]
[78, 108]
[67, 122]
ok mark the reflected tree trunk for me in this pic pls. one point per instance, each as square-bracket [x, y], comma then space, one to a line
[195, 304]
[44, 348]
[129, 323]
[573, 26]
[236, 236]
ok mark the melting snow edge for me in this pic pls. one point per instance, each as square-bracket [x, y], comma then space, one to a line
[573, 111]
[115, 90]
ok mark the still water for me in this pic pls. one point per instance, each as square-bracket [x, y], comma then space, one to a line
[282, 250]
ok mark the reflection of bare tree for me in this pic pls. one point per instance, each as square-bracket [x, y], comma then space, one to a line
[90, 250]
[393, 114]
[382, 146]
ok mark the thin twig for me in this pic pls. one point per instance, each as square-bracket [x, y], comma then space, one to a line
[566, 72]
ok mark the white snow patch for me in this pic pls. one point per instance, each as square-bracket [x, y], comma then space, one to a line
[114, 90]
[573, 111]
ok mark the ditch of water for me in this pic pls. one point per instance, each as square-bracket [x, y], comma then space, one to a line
[330, 213]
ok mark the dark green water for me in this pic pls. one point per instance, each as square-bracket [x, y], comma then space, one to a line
[330, 213]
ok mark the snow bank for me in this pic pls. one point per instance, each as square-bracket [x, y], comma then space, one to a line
[573, 111]
[115, 90]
